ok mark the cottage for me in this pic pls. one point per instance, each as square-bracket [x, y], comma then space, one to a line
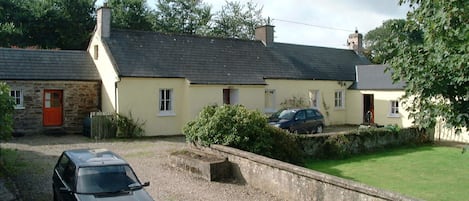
[376, 98]
[166, 79]
[53, 90]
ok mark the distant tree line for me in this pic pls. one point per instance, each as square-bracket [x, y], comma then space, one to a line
[68, 24]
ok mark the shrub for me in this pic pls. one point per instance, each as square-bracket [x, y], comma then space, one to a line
[128, 127]
[6, 112]
[238, 127]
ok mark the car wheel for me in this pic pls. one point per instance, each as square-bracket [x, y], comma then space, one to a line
[294, 131]
[319, 129]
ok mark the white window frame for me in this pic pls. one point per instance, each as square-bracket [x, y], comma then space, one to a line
[394, 108]
[166, 102]
[16, 97]
[269, 93]
[314, 99]
[339, 99]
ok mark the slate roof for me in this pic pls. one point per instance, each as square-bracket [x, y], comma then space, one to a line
[373, 77]
[26, 64]
[204, 60]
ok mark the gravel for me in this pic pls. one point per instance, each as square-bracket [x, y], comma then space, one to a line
[148, 157]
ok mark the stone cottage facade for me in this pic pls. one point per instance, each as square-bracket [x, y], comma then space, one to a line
[53, 90]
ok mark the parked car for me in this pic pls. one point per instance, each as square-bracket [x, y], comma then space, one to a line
[298, 120]
[95, 174]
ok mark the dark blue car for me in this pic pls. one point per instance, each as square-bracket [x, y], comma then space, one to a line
[298, 120]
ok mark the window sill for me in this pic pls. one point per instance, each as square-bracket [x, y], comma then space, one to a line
[19, 108]
[394, 116]
[166, 114]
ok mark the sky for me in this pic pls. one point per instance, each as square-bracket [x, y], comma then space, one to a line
[325, 23]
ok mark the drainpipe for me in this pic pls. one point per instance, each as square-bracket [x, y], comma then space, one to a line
[116, 92]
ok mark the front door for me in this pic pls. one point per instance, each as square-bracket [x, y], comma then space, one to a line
[52, 108]
[368, 108]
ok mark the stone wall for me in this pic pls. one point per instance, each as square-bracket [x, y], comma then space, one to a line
[290, 182]
[79, 99]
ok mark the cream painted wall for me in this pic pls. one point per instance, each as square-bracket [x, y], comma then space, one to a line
[285, 89]
[140, 96]
[199, 96]
[108, 75]
[382, 107]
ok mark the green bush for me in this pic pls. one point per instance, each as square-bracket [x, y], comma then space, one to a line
[128, 127]
[238, 127]
[6, 112]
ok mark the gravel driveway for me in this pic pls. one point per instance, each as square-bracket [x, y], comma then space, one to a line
[149, 158]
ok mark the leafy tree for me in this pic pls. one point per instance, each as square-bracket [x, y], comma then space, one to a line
[182, 16]
[236, 20]
[6, 112]
[374, 41]
[432, 56]
[65, 24]
[11, 17]
[131, 14]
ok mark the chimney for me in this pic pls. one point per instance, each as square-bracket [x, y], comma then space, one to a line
[355, 42]
[103, 24]
[265, 34]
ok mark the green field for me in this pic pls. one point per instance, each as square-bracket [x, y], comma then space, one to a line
[428, 172]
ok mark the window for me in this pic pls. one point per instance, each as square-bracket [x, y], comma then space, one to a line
[269, 100]
[230, 96]
[314, 98]
[394, 111]
[18, 98]
[339, 99]
[95, 52]
[166, 102]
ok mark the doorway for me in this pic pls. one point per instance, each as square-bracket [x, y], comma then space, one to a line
[368, 109]
[52, 108]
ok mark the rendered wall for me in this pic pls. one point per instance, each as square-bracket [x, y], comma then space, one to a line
[107, 73]
[382, 104]
[285, 89]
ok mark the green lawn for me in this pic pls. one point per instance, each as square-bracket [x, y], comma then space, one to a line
[428, 172]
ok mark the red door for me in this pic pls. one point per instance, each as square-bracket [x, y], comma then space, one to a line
[52, 108]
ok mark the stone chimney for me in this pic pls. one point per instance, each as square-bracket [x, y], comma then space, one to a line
[265, 34]
[103, 24]
[355, 41]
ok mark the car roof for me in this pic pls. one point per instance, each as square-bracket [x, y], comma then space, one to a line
[94, 157]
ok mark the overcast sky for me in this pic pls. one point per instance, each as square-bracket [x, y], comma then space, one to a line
[311, 16]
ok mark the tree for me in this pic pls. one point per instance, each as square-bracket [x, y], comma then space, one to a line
[374, 40]
[237, 21]
[131, 14]
[65, 24]
[182, 16]
[432, 56]
[6, 112]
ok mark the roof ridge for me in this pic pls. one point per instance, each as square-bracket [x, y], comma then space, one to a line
[39, 50]
[186, 35]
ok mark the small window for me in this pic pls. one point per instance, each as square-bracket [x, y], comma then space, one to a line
[166, 102]
[394, 110]
[269, 99]
[95, 52]
[339, 99]
[18, 98]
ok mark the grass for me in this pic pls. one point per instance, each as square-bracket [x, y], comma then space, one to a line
[427, 172]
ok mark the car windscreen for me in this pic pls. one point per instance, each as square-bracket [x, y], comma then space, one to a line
[287, 114]
[106, 179]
